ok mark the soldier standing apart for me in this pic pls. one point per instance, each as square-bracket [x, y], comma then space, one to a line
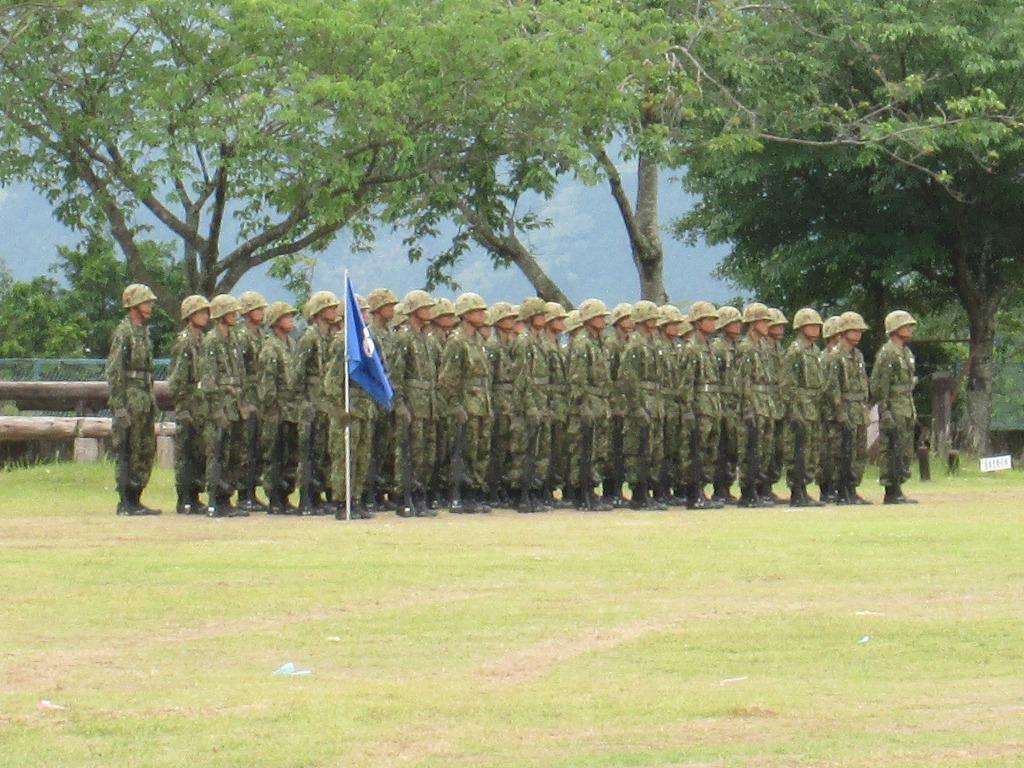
[754, 384]
[309, 366]
[507, 428]
[530, 353]
[802, 381]
[249, 337]
[847, 388]
[280, 406]
[221, 375]
[729, 325]
[828, 461]
[614, 469]
[129, 374]
[558, 402]
[892, 387]
[464, 386]
[702, 374]
[189, 406]
[414, 379]
[641, 375]
[382, 303]
[590, 381]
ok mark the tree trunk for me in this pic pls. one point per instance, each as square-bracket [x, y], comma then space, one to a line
[978, 401]
[648, 252]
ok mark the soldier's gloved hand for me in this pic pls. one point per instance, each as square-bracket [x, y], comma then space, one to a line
[887, 422]
[460, 415]
[402, 413]
[220, 418]
[121, 418]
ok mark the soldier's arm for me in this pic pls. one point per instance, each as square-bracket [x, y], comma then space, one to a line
[450, 374]
[334, 376]
[116, 361]
[397, 360]
[177, 371]
[266, 385]
[881, 378]
[579, 371]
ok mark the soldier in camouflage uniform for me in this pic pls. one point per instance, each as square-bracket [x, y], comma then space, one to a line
[675, 462]
[279, 404]
[533, 372]
[641, 373]
[189, 406]
[828, 461]
[464, 386]
[359, 420]
[442, 321]
[508, 425]
[777, 353]
[414, 379]
[754, 385]
[573, 327]
[221, 375]
[892, 388]
[309, 366]
[382, 303]
[703, 377]
[613, 471]
[729, 326]
[590, 381]
[249, 337]
[802, 384]
[129, 373]
[558, 403]
[847, 392]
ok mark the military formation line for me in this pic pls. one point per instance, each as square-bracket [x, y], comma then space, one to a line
[525, 406]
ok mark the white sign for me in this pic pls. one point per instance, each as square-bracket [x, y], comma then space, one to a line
[996, 463]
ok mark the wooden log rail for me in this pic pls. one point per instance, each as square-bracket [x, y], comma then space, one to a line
[70, 395]
[21, 428]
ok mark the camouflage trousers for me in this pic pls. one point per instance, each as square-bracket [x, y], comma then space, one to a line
[778, 450]
[280, 443]
[360, 432]
[505, 431]
[384, 437]
[708, 438]
[476, 437]
[414, 442]
[811, 451]
[141, 445]
[230, 461]
[598, 453]
[896, 452]
[763, 432]
[541, 451]
[642, 465]
[314, 460]
[675, 466]
[189, 458]
[440, 475]
[726, 462]
[249, 451]
[559, 463]
[859, 458]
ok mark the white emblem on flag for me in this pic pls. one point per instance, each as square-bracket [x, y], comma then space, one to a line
[369, 349]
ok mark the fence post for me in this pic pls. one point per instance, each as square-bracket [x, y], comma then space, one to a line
[942, 414]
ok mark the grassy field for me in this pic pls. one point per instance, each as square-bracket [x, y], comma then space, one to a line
[875, 636]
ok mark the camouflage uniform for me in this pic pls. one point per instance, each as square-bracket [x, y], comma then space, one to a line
[802, 387]
[702, 375]
[726, 462]
[892, 387]
[250, 344]
[189, 418]
[614, 346]
[776, 363]
[464, 385]
[308, 368]
[847, 393]
[590, 382]
[279, 403]
[754, 383]
[508, 424]
[221, 373]
[530, 353]
[129, 372]
[558, 405]
[382, 440]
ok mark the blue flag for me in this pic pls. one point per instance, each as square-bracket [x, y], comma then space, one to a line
[365, 367]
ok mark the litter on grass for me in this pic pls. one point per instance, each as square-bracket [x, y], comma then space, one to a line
[864, 639]
[868, 613]
[291, 670]
[731, 680]
[47, 704]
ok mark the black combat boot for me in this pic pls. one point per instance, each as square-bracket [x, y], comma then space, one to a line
[749, 498]
[184, 504]
[796, 498]
[136, 503]
[480, 502]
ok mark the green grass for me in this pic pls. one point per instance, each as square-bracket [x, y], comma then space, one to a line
[557, 640]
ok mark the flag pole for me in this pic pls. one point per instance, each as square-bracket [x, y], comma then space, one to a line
[348, 426]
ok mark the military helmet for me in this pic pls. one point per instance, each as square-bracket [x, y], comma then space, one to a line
[806, 316]
[756, 311]
[467, 302]
[362, 303]
[574, 320]
[532, 306]
[381, 297]
[621, 312]
[136, 294]
[778, 318]
[645, 310]
[318, 302]
[400, 316]
[702, 309]
[224, 304]
[277, 310]
[192, 304]
[670, 314]
[592, 308]
[851, 321]
[251, 300]
[501, 310]
[726, 315]
[441, 308]
[554, 311]
[830, 327]
[416, 300]
[897, 319]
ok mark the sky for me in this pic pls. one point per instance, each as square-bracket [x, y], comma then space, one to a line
[585, 251]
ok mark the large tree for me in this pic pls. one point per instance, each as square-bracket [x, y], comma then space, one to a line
[873, 150]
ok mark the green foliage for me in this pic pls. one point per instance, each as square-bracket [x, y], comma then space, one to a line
[36, 321]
